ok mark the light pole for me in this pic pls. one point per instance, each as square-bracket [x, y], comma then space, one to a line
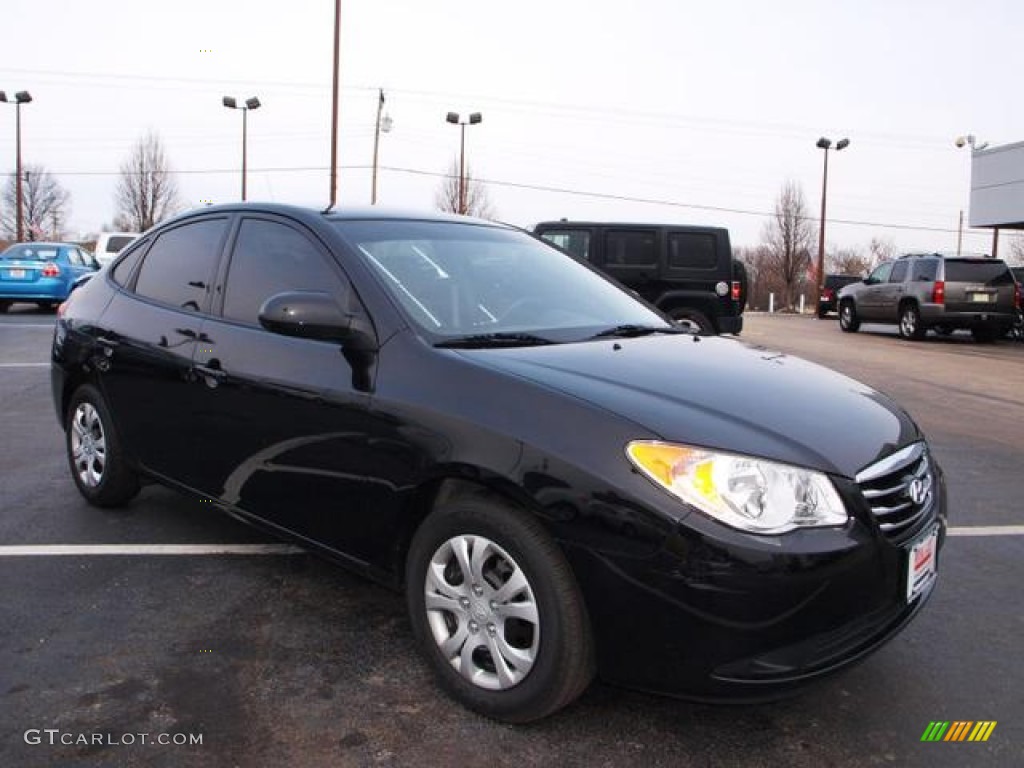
[335, 84]
[253, 103]
[971, 140]
[824, 144]
[21, 97]
[385, 126]
[474, 119]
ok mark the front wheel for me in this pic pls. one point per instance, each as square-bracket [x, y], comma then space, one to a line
[95, 457]
[848, 320]
[496, 611]
[910, 323]
[693, 319]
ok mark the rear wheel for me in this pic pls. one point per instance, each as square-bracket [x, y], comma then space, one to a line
[4, 306]
[693, 319]
[496, 610]
[94, 451]
[910, 323]
[848, 319]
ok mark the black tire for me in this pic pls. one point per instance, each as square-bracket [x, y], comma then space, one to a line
[848, 319]
[910, 323]
[822, 313]
[47, 306]
[693, 318]
[983, 334]
[547, 655]
[4, 306]
[95, 456]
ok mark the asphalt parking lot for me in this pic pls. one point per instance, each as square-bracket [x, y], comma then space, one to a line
[274, 657]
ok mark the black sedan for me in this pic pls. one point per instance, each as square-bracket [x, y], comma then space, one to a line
[563, 481]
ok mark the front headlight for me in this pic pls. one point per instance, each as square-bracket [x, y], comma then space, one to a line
[750, 494]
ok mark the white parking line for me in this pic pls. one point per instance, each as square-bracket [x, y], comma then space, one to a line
[26, 325]
[43, 550]
[987, 530]
[49, 550]
[24, 365]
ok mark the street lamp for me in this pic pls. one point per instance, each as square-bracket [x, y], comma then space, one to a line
[824, 144]
[971, 140]
[453, 118]
[385, 126]
[21, 97]
[253, 103]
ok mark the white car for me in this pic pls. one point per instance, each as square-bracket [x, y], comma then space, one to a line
[109, 244]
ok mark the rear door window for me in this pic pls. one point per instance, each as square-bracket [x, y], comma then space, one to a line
[631, 248]
[178, 268]
[690, 250]
[924, 271]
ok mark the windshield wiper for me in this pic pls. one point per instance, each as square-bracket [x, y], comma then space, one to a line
[631, 330]
[506, 339]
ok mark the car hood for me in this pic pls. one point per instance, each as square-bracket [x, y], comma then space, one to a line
[722, 393]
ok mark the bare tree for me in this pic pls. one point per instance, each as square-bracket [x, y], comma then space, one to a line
[848, 261]
[1017, 249]
[880, 250]
[146, 192]
[787, 240]
[45, 205]
[478, 202]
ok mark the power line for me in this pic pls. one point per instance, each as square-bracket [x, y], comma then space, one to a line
[533, 188]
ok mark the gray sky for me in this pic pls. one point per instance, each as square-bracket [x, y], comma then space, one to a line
[658, 110]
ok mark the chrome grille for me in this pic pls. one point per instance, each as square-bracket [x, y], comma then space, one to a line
[900, 489]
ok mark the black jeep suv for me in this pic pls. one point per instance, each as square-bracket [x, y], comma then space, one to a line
[687, 272]
[922, 291]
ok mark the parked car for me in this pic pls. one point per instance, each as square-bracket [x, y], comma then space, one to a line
[1017, 330]
[542, 461]
[41, 273]
[109, 244]
[685, 271]
[922, 291]
[833, 283]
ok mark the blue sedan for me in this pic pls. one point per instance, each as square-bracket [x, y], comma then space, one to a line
[42, 273]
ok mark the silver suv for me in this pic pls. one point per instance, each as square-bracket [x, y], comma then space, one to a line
[922, 291]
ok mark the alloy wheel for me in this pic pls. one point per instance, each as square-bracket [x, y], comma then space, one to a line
[88, 445]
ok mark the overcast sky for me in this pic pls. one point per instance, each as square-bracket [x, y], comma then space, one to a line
[656, 110]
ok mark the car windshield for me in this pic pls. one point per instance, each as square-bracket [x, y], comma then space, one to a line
[467, 280]
[29, 252]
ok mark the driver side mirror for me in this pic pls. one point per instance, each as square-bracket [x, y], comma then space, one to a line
[317, 315]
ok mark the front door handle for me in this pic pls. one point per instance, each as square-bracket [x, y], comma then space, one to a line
[212, 374]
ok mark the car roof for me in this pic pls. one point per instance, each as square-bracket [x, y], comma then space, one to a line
[628, 225]
[337, 213]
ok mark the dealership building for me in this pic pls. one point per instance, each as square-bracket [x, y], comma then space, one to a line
[997, 188]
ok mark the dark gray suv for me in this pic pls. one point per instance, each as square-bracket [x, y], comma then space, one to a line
[922, 291]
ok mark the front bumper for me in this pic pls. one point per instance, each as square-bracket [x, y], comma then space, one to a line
[718, 615]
